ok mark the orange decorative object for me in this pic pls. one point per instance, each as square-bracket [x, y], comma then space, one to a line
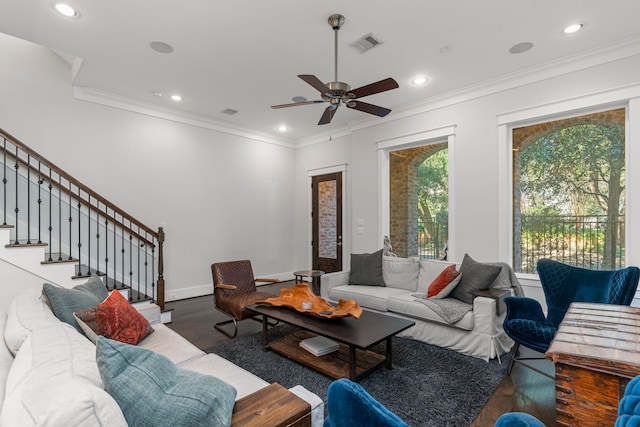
[301, 293]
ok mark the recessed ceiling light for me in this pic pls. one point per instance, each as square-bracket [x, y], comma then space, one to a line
[520, 47]
[66, 10]
[420, 80]
[283, 128]
[161, 47]
[176, 97]
[574, 28]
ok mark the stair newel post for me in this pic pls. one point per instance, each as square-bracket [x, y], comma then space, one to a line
[4, 180]
[106, 246]
[50, 245]
[28, 199]
[89, 235]
[40, 182]
[160, 288]
[17, 209]
[69, 257]
[79, 234]
[98, 238]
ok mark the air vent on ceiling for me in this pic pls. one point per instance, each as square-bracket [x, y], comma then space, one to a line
[365, 43]
[229, 111]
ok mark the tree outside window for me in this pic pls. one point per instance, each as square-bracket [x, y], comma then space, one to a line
[568, 192]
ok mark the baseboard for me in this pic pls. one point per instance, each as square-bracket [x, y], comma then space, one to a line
[198, 291]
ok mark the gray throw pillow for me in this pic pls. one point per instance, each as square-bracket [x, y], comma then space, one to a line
[64, 301]
[476, 276]
[366, 269]
[152, 391]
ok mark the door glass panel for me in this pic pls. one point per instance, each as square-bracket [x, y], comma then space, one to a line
[327, 219]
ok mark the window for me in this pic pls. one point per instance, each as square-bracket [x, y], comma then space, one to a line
[418, 192]
[569, 192]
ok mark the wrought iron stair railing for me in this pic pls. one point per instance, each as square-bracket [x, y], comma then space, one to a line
[47, 206]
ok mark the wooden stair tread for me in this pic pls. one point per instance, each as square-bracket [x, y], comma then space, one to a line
[58, 258]
[24, 244]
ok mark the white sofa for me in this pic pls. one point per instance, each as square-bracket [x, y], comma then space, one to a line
[49, 375]
[478, 333]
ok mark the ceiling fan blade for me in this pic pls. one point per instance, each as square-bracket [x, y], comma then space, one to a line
[368, 108]
[377, 87]
[295, 104]
[328, 114]
[315, 82]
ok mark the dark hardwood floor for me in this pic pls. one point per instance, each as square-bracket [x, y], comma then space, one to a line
[524, 390]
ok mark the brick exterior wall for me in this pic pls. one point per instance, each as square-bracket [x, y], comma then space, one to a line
[327, 226]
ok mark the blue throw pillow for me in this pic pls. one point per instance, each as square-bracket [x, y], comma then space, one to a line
[64, 301]
[152, 391]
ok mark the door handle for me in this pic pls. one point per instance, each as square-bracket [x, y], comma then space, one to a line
[339, 244]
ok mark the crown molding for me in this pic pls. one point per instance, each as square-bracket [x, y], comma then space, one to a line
[125, 103]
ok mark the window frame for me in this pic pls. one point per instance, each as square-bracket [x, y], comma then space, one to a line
[628, 98]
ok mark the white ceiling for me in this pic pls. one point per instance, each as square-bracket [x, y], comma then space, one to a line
[246, 54]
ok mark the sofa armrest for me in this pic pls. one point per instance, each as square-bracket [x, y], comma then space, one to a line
[485, 317]
[331, 280]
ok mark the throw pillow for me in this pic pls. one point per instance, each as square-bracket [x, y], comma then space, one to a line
[366, 269]
[476, 276]
[152, 391]
[442, 286]
[114, 318]
[64, 302]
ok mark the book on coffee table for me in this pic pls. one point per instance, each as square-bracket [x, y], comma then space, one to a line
[319, 346]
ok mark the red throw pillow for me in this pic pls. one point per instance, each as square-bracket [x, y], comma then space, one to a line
[115, 318]
[447, 276]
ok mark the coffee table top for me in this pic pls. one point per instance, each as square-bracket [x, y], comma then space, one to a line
[371, 328]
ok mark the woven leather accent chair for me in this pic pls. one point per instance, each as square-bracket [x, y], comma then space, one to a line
[563, 284]
[234, 288]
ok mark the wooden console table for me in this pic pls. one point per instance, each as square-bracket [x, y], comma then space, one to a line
[271, 406]
[596, 353]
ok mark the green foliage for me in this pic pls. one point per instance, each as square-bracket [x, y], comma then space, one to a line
[433, 184]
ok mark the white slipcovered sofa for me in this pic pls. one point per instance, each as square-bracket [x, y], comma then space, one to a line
[477, 333]
[49, 375]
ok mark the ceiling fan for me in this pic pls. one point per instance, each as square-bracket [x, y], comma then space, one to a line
[336, 92]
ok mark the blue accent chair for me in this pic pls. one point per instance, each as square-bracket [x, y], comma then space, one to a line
[348, 405]
[628, 411]
[526, 324]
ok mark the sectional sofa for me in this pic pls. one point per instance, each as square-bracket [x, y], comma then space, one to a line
[49, 373]
[473, 327]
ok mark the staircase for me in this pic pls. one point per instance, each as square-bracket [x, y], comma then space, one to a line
[55, 229]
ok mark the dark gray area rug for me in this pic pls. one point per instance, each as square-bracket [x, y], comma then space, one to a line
[428, 385]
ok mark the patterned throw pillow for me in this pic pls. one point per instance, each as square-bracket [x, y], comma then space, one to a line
[442, 285]
[114, 318]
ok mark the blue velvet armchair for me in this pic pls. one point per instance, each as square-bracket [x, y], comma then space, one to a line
[628, 411]
[348, 404]
[563, 284]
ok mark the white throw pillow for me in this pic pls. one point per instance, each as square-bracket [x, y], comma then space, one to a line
[401, 273]
[27, 311]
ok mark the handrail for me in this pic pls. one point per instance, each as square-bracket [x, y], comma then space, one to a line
[96, 208]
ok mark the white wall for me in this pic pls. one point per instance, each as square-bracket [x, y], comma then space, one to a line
[477, 151]
[220, 196]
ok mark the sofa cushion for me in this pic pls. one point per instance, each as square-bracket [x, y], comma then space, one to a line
[429, 270]
[406, 305]
[55, 381]
[400, 273]
[152, 391]
[114, 318]
[27, 311]
[173, 346]
[366, 269]
[476, 276]
[374, 297]
[65, 301]
[442, 285]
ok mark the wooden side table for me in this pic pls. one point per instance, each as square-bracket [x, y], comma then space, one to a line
[315, 278]
[271, 406]
[596, 353]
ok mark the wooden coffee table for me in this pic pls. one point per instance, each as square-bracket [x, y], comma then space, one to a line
[354, 360]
